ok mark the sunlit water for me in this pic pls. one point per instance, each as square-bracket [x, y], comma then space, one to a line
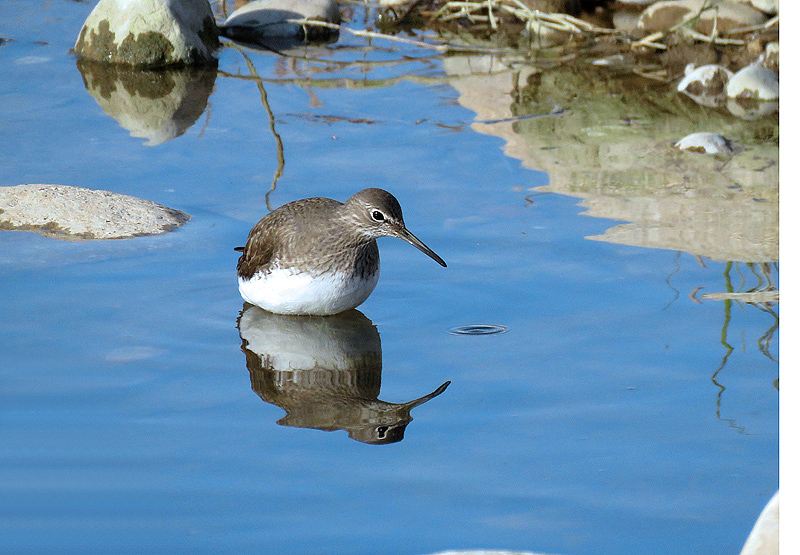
[619, 412]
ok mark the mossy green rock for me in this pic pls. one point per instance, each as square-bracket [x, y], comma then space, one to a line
[149, 33]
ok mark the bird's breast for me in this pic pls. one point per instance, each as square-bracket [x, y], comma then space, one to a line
[287, 291]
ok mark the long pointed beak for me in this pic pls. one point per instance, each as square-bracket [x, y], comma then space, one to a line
[409, 237]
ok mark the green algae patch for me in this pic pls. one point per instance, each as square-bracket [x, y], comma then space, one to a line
[146, 49]
[100, 45]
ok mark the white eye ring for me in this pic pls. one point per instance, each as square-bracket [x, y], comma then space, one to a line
[378, 216]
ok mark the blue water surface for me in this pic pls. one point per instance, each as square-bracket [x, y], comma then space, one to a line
[615, 415]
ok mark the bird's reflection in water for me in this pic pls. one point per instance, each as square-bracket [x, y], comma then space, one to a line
[325, 372]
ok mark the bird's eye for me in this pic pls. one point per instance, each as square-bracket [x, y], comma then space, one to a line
[378, 216]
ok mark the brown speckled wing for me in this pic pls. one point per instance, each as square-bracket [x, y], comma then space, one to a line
[260, 247]
[284, 233]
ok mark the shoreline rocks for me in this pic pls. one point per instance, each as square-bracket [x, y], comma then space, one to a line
[750, 93]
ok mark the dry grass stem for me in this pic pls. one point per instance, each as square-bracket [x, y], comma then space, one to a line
[755, 28]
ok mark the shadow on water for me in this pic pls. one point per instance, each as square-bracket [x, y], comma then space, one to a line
[325, 372]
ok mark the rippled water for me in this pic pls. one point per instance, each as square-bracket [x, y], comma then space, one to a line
[620, 412]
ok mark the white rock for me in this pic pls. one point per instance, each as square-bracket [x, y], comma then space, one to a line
[763, 539]
[705, 143]
[268, 18]
[753, 82]
[78, 214]
[705, 84]
[152, 33]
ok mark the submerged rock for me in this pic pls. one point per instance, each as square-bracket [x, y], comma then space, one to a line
[78, 214]
[263, 19]
[706, 84]
[150, 33]
[705, 143]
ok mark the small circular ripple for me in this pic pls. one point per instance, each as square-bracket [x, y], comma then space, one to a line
[478, 329]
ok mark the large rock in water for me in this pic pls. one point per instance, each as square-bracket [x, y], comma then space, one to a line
[78, 214]
[264, 19]
[150, 33]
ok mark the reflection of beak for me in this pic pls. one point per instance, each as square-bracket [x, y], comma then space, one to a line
[438, 391]
[409, 237]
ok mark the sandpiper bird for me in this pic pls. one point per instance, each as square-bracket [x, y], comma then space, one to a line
[319, 256]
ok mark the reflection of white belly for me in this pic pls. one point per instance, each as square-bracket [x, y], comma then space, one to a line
[287, 292]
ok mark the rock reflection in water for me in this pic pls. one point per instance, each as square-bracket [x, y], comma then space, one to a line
[157, 105]
[611, 147]
[325, 372]
[293, 47]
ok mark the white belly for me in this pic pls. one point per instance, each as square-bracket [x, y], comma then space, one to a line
[285, 292]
